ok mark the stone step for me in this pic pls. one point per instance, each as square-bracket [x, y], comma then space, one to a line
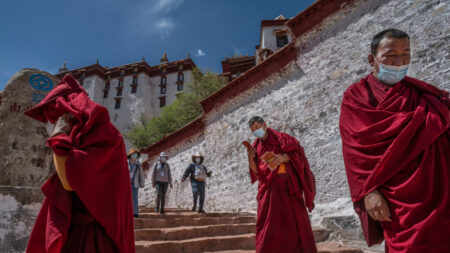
[336, 247]
[153, 215]
[216, 243]
[189, 232]
[167, 210]
[141, 223]
[324, 247]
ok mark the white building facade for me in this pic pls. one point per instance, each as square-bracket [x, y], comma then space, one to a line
[136, 90]
[274, 35]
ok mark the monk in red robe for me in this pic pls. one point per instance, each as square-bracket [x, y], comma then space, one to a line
[88, 206]
[396, 146]
[286, 189]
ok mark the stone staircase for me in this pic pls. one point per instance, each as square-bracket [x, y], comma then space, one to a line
[184, 231]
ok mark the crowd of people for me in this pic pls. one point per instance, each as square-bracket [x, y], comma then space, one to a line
[396, 149]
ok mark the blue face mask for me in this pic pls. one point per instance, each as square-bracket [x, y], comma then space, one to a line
[259, 133]
[392, 74]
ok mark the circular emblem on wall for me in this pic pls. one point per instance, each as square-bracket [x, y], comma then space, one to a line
[41, 82]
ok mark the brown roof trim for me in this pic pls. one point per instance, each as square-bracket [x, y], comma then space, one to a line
[251, 78]
[165, 143]
[314, 14]
[143, 67]
[278, 22]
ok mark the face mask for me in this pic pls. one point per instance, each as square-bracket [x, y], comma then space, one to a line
[259, 133]
[163, 159]
[49, 127]
[392, 74]
[197, 160]
[134, 155]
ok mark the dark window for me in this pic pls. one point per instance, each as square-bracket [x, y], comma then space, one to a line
[107, 84]
[117, 106]
[282, 40]
[120, 82]
[162, 101]
[133, 88]
[81, 82]
[119, 92]
[135, 80]
[181, 77]
[180, 86]
[163, 80]
[105, 93]
[163, 90]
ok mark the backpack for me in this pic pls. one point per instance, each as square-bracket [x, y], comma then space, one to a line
[200, 173]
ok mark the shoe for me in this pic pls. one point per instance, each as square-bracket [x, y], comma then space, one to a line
[162, 212]
[201, 211]
[193, 209]
[136, 216]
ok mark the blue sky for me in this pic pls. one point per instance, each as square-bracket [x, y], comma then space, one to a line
[43, 34]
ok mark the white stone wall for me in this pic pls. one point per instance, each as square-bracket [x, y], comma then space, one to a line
[171, 89]
[304, 100]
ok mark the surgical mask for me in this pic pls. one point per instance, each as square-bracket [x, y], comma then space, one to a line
[163, 159]
[134, 155]
[259, 133]
[49, 127]
[197, 160]
[389, 74]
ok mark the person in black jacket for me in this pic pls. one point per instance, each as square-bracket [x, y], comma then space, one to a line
[197, 173]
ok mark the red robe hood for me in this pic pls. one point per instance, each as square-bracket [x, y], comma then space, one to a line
[96, 169]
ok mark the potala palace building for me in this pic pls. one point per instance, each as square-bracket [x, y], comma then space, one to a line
[134, 90]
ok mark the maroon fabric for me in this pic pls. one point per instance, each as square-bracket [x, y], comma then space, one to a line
[397, 141]
[96, 169]
[85, 233]
[282, 222]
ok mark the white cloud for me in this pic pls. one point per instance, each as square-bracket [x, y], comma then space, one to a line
[200, 53]
[153, 16]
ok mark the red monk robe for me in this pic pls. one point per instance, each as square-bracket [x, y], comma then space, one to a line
[397, 141]
[282, 223]
[97, 216]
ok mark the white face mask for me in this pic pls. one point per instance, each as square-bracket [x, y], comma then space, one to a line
[197, 160]
[389, 74]
[134, 155]
[259, 133]
[163, 159]
[49, 127]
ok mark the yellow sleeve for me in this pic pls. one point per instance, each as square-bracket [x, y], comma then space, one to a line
[60, 165]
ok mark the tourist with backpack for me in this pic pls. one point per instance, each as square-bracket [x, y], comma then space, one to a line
[197, 173]
[161, 179]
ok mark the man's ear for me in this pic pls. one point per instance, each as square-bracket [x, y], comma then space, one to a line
[371, 60]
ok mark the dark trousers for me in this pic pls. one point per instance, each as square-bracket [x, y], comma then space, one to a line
[135, 197]
[161, 190]
[198, 189]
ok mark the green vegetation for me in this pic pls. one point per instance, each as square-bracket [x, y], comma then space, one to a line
[182, 111]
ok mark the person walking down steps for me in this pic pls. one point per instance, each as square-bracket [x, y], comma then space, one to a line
[198, 174]
[137, 178]
[161, 179]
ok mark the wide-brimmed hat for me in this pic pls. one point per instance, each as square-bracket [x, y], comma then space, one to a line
[198, 154]
[133, 150]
